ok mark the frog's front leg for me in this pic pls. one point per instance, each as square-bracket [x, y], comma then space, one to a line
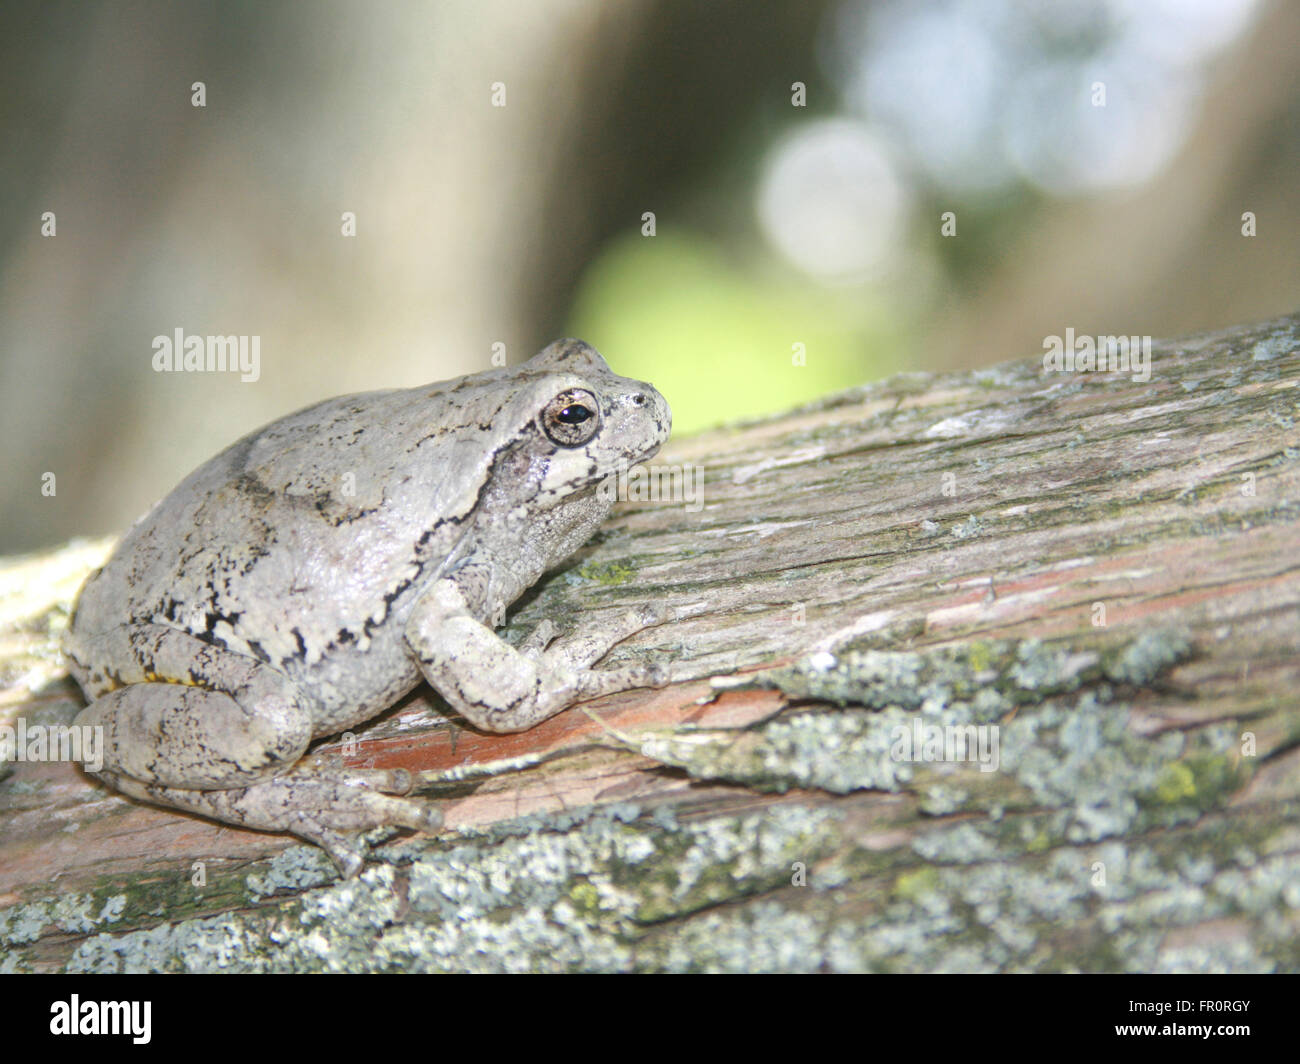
[499, 688]
[204, 729]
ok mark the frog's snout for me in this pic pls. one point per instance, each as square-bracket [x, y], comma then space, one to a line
[655, 408]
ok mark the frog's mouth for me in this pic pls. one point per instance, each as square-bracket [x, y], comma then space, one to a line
[626, 465]
[627, 482]
[649, 453]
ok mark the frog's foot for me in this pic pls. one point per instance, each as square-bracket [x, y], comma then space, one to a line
[581, 650]
[326, 808]
[500, 688]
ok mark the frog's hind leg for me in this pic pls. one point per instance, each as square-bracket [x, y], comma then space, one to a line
[198, 727]
[329, 809]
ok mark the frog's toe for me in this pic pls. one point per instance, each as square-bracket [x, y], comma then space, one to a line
[383, 780]
[432, 816]
[343, 850]
[399, 781]
[360, 808]
[417, 813]
[340, 829]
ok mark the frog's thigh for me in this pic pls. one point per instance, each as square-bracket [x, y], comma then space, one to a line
[496, 687]
[195, 716]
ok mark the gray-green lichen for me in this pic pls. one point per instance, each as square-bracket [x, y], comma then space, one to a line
[1113, 907]
[1277, 346]
[1019, 671]
[983, 726]
[1116, 906]
[527, 899]
[69, 913]
[1142, 660]
[293, 869]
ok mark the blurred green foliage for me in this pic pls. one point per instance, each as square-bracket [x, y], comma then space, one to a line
[718, 339]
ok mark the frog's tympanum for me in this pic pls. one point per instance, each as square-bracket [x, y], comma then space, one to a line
[311, 574]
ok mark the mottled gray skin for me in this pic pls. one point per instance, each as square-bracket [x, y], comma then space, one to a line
[314, 572]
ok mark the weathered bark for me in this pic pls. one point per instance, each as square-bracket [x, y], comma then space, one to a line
[1106, 570]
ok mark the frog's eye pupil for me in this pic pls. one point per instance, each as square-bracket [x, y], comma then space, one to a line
[574, 415]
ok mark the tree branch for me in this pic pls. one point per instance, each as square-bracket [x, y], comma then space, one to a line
[1094, 581]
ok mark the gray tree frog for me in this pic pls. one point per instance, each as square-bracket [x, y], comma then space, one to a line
[314, 572]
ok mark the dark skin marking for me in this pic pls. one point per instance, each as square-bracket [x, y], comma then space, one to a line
[259, 652]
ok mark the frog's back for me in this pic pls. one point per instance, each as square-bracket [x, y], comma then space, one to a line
[307, 537]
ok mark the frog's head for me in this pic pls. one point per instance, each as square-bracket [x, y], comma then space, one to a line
[589, 422]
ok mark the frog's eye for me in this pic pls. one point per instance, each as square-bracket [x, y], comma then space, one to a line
[571, 418]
